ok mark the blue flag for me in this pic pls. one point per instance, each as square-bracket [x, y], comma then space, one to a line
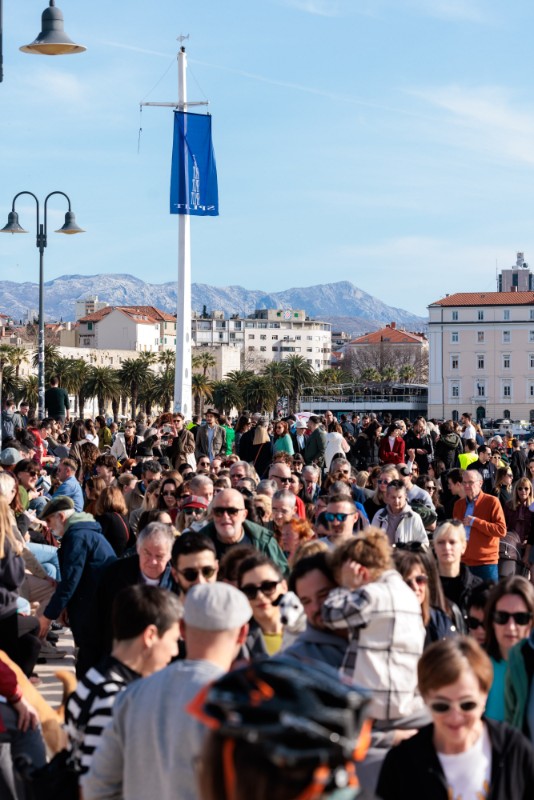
[193, 172]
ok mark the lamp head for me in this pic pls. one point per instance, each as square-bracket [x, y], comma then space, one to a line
[70, 225]
[53, 41]
[13, 224]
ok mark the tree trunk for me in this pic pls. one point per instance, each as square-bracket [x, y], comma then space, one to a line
[115, 409]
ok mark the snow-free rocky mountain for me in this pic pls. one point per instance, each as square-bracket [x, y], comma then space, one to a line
[343, 304]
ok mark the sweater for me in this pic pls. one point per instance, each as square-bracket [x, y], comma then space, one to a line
[488, 527]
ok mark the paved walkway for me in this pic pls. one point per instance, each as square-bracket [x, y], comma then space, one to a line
[50, 688]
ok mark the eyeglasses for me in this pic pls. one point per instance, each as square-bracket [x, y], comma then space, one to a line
[194, 511]
[220, 511]
[339, 517]
[523, 489]
[419, 580]
[442, 706]
[383, 481]
[474, 624]
[520, 617]
[168, 494]
[282, 480]
[268, 588]
[203, 463]
[430, 486]
[191, 574]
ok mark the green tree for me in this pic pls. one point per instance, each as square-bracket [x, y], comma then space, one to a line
[277, 373]
[389, 375]
[51, 358]
[17, 356]
[370, 375]
[74, 382]
[201, 391]
[167, 358]
[259, 393]
[301, 374]
[203, 361]
[104, 384]
[134, 374]
[163, 389]
[226, 396]
[30, 392]
[407, 373]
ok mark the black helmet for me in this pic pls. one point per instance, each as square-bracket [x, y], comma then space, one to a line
[295, 712]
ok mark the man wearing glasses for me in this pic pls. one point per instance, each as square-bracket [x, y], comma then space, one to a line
[485, 467]
[341, 516]
[485, 525]
[193, 560]
[230, 527]
[280, 473]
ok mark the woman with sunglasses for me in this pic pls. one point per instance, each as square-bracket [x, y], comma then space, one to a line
[503, 484]
[509, 619]
[461, 754]
[377, 501]
[282, 441]
[168, 496]
[420, 574]
[262, 583]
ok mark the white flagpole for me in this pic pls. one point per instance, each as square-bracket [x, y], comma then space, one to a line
[182, 376]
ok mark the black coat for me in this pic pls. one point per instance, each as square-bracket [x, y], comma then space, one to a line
[412, 770]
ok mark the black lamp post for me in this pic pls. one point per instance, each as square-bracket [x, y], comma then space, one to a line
[13, 226]
[51, 41]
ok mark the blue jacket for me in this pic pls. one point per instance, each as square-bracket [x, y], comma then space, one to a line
[83, 554]
[71, 488]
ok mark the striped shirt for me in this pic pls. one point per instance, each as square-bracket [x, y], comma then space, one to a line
[89, 708]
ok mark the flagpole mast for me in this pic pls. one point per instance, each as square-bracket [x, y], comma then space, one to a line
[182, 373]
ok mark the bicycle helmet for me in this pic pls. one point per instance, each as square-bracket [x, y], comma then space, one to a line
[296, 714]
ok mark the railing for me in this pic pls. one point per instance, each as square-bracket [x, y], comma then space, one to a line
[365, 397]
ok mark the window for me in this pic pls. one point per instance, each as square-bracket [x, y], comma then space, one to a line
[506, 337]
[455, 361]
[531, 360]
[480, 336]
[480, 316]
[480, 361]
[454, 389]
[455, 337]
[263, 349]
[531, 389]
[455, 316]
[274, 337]
[506, 361]
[252, 336]
[263, 336]
[532, 313]
[506, 314]
[531, 336]
[507, 389]
[481, 389]
[89, 326]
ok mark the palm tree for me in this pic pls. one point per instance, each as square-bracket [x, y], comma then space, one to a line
[147, 394]
[301, 374]
[407, 373]
[133, 373]
[167, 358]
[51, 357]
[278, 374]
[201, 390]
[332, 377]
[389, 375]
[204, 361]
[226, 396]
[259, 393]
[17, 356]
[369, 375]
[30, 390]
[163, 389]
[74, 382]
[104, 384]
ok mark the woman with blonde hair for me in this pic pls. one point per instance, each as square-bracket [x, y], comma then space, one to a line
[261, 449]
[457, 580]
[18, 634]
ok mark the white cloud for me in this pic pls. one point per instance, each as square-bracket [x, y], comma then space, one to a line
[484, 119]
[320, 8]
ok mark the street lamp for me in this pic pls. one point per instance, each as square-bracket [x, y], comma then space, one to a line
[51, 41]
[13, 226]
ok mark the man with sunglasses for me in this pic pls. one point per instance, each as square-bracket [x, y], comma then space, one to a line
[341, 515]
[193, 561]
[230, 527]
[280, 473]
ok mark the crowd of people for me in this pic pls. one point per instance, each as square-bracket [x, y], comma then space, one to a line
[305, 607]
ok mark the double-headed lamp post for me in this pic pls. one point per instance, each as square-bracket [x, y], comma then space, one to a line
[13, 226]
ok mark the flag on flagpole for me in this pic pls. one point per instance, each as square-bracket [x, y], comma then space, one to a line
[193, 171]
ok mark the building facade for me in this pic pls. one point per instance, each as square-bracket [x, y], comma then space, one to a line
[481, 356]
[140, 328]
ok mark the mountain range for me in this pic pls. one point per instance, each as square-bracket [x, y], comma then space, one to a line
[346, 306]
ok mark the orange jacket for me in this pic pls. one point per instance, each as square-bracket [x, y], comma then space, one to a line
[488, 527]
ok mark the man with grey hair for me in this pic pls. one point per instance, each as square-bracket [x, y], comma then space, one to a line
[153, 744]
[283, 510]
[201, 486]
[280, 473]
[311, 475]
[241, 469]
[150, 565]
[267, 487]
[83, 555]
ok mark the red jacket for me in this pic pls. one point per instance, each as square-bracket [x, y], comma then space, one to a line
[8, 687]
[488, 527]
[391, 456]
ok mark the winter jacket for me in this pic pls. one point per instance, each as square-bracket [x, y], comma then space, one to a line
[410, 528]
[182, 446]
[262, 539]
[364, 453]
[8, 425]
[413, 770]
[424, 442]
[314, 644]
[458, 590]
[83, 554]
[439, 627]
[447, 449]
[11, 577]
[121, 451]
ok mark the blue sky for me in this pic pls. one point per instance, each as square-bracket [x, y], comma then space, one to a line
[385, 142]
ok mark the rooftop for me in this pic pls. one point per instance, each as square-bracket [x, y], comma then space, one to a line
[142, 314]
[486, 299]
[389, 334]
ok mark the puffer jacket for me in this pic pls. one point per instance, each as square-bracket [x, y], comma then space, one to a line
[447, 449]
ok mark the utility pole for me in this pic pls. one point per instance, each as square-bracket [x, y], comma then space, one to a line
[182, 376]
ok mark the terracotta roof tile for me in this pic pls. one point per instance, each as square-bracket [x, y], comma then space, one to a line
[487, 299]
[391, 335]
[150, 314]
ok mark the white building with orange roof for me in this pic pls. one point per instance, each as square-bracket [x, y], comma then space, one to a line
[482, 351]
[140, 328]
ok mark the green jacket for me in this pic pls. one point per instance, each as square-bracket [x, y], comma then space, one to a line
[263, 540]
[518, 681]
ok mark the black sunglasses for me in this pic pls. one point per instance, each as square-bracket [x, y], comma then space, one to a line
[441, 706]
[520, 617]
[220, 511]
[474, 624]
[250, 590]
[191, 574]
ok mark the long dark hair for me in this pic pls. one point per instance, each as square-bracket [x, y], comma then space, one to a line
[517, 585]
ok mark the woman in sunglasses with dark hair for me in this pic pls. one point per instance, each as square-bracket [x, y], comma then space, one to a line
[462, 753]
[262, 583]
[509, 619]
